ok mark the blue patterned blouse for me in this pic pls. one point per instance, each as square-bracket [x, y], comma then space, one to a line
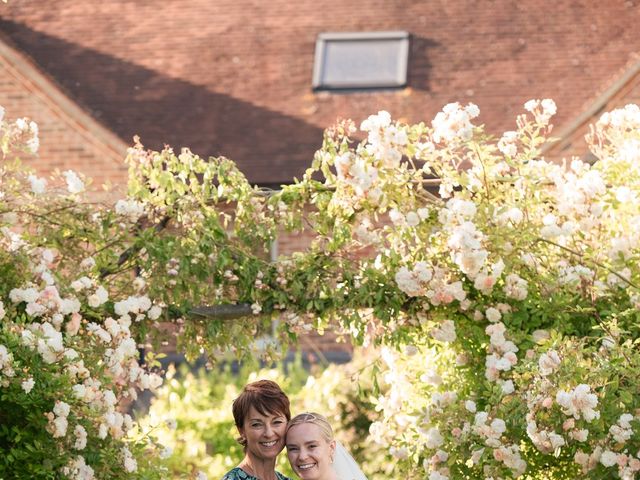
[239, 474]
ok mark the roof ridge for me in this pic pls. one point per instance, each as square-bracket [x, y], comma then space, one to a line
[618, 82]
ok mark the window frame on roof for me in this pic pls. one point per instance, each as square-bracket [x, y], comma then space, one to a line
[397, 81]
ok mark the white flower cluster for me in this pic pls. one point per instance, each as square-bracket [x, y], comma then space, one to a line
[385, 140]
[542, 110]
[11, 240]
[492, 434]
[576, 193]
[130, 209]
[411, 219]
[574, 274]
[22, 133]
[548, 362]
[622, 430]
[453, 123]
[120, 353]
[432, 424]
[365, 232]
[628, 465]
[579, 402]
[516, 287]
[28, 384]
[360, 174]
[510, 456]
[81, 437]
[493, 314]
[89, 367]
[508, 144]
[436, 475]
[100, 295]
[436, 465]
[49, 341]
[130, 464]
[441, 400]
[77, 469]
[6, 366]
[74, 182]
[466, 244]
[502, 356]
[622, 246]
[432, 282]
[134, 304]
[46, 302]
[629, 152]
[360, 170]
[38, 185]
[445, 332]
[46, 336]
[57, 420]
[392, 403]
[511, 217]
[433, 438]
[414, 282]
[626, 118]
[547, 441]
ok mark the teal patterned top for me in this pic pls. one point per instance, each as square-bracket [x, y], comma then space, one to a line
[239, 474]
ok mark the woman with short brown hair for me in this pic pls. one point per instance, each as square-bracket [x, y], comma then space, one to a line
[261, 413]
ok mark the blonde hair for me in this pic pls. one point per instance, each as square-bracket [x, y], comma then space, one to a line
[315, 419]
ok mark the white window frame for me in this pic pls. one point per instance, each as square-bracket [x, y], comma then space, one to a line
[400, 80]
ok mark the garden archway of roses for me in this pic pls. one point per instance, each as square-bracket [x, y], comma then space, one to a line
[505, 305]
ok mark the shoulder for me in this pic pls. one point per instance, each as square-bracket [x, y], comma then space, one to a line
[236, 474]
[281, 476]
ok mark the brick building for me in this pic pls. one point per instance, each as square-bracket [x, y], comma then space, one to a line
[235, 78]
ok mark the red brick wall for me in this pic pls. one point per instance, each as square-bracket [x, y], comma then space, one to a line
[67, 140]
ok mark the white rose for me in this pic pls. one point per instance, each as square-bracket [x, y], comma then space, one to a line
[74, 183]
[27, 385]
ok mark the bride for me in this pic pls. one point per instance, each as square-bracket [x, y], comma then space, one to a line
[313, 452]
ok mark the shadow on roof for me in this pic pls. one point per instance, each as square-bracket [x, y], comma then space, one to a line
[419, 64]
[269, 147]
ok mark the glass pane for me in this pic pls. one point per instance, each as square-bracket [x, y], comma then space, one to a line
[361, 62]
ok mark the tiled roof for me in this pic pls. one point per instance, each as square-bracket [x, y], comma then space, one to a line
[234, 77]
[623, 90]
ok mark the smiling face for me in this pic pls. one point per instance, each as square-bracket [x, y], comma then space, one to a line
[309, 452]
[264, 434]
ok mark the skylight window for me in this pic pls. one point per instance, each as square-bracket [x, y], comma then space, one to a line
[365, 60]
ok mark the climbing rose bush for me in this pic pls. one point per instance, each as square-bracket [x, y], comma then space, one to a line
[502, 288]
[522, 280]
[69, 355]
